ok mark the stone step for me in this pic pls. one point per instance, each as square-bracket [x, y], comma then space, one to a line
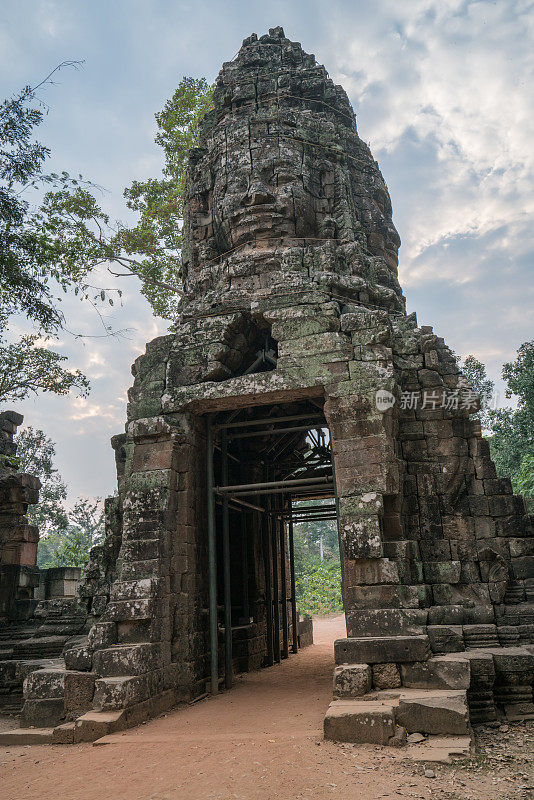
[360, 722]
[23, 736]
[40, 647]
[385, 717]
[120, 692]
[95, 724]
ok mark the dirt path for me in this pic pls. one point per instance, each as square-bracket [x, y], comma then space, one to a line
[262, 740]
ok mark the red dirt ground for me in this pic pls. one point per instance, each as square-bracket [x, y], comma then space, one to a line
[260, 741]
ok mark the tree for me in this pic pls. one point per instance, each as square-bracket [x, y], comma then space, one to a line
[475, 373]
[38, 259]
[56, 246]
[511, 430]
[524, 478]
[157, 237]
[35, 456]
[318, 590]
[71, 547]
[26, 367]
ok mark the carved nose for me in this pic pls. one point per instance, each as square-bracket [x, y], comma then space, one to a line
[258, 194]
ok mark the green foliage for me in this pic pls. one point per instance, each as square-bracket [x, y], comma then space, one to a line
[475, 372]
[35, 455]
[27, 367]
[319, 589]
[512, 430]
[156, 240]
[318, 579]
[523, 480]
[71, 547]
[52, 246]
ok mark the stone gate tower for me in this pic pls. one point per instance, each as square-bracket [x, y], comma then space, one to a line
[293, 373]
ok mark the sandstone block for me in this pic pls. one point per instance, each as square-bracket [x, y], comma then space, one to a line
[45, 713]
[126, 659]
[386, 676]
[370, 571]
[45, 684]
[352, 680]
[446, 638]
[436, 712]
[381, 650]
[78, 658]
[112, 694]
[439, 672]
[359, 722]
[446, 615]
[383, 596]
[442, 571]
[385, 621]
[102, 634]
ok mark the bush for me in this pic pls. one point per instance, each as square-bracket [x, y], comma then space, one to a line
[319, 590]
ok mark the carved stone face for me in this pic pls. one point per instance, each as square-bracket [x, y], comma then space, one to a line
[266, 189]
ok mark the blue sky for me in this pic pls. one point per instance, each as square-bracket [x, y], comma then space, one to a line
[442, 90]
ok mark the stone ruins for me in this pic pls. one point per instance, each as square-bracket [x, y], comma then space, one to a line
[293, 387]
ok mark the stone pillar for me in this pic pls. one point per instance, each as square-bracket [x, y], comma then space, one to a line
[18, 539]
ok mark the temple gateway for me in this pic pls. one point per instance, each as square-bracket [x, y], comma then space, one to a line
[292, 374]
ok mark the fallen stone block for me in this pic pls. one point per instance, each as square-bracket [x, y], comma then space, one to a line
[359, 721]
[42, 713]
[437, 712]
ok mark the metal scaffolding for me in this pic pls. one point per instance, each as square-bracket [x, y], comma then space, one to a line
[296, 467]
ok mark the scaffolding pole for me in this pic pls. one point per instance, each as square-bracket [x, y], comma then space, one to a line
[283, 564]
[294, 615]
[268, 585]
[276, 586]
[212, 562]
[227, 571]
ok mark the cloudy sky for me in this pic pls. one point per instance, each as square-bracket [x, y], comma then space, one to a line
[442, 90]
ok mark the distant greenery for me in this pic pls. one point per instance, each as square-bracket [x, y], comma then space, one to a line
[71, 547]
[319, 589]
[318, 580]
[66, 536]
[510, 431]
[35, 456]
